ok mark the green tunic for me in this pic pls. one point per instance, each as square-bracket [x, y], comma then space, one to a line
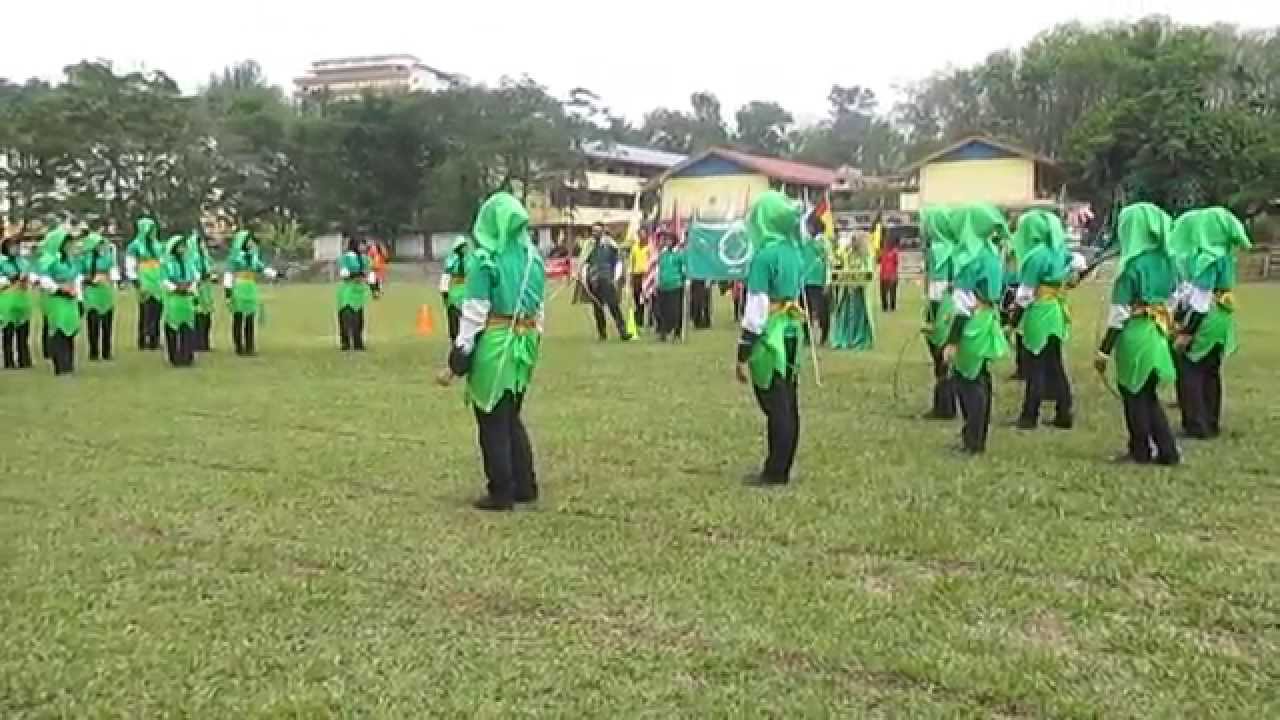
[244, 264]
[776, 271]
[981, 340]
[146, 250]
[62, 308]
[15, 300]
[97, 262]
[353, 290]
[180, 305]
[204, 268]
[1218, 327]
[1046, 317]
[813, 253]
[671, 269]
[1142, 348]
[938, 269]
[455, 266]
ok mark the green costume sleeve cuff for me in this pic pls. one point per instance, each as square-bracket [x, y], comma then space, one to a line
[1109, 341]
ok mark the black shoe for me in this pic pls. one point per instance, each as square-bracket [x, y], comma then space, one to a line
[1026, 423]
[1123, 458]
[1189, 435]
[489, 503]
[627, 338]
[762, 480]
[1173, 461]
[1064, 422]
[527, 499]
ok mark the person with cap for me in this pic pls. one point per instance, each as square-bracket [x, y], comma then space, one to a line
[62, 283]
[976, 339]
[181, 287]
[498, 346]
[142, 268]
[603, 271]
[938, 233]
[672, 273]
[455, 270]
[772, 328]
[207, 272]
[1138, 327]
[15, 305]
[101, 276]
[1205, 242]
[1039, 314]
[240, 282]
[358, 282]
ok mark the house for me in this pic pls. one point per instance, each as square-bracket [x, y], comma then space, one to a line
[982, 169]
[720, 183]
[346, 78]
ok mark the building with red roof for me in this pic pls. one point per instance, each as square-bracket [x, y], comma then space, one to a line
[720, 183]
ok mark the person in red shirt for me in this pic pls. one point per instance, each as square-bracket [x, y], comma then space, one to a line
[889, 276]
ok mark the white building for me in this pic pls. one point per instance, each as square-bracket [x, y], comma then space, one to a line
[344, 78]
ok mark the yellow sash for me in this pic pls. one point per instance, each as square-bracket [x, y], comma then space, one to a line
[249, 276]
[1159, 314]
[148, 264]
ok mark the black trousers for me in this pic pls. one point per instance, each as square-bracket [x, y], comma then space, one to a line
[605, 294]
[819, 310]
[62, 353]
[505, 449]
[700, 304]
[1148, 427]
[1046, 379]
[975, 406]
[204, 332]
[781, 406]
[670, 312]
[46, 344]
[351, 328]
[181, 345]
[889, 295]
[244, 332]
[1201, 397]
[149, 313]
[944, 387]
[100, 326]
[1020, 356]
[738, 302]
[17, 346]
[453, 317]
[637, 298]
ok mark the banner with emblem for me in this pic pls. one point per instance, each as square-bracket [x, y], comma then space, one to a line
[717, 251]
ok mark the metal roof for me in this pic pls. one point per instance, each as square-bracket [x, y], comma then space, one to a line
[633, 154]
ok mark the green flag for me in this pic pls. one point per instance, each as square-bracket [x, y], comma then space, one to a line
[718, 251]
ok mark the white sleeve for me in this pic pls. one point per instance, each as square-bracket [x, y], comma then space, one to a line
[966, 302]
[1078, 263]
[1179, 297]
[344, 273]
[474, 314]
[1200, 301]
[270, 273]
[114, 274]
[48, 284]
[170, 286]
[1118, 316]
[372, 278]
[80, 287]
[4, 281]
[228, 280]
[756, 313]
[1025, 296]
[937, 289]
[131, 267]
[542, 316]
[444, 282]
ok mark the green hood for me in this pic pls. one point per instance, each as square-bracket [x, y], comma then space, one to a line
[145, 231]
[1202, 237]
[773, 218]
[459, 242]
[979, 229]
[939, 232]
[1142, 227]
[92, 242]
[1035, 228]
[501, 225]
[52, 243]
[173, 242]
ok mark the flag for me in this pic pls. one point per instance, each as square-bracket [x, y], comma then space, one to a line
[823, 213]
[718, 251]
[650, 287]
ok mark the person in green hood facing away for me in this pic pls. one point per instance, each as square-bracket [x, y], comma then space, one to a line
[1039, 313]
[358, 283]
[61, 281]
[240, 281]
[455, 290]
[181, 286]
[1205, 242]
[142, 261]
[937, 232]
[975, 338]
[1138, 328]
[772, 327]
[498, 345]
[202, 261]
[101, 276]
[15, 305]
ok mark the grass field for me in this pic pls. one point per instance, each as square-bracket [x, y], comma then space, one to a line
[290, 536]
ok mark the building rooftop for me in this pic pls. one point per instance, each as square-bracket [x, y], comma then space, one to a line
[633, 154]
[787, 171]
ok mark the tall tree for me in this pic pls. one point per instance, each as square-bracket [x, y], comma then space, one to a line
[763, 127]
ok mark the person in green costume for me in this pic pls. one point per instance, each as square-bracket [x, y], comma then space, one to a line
[142, 268]
[1138, 328]
[976, 338]
[498, 345]
[673, 272]
[181, 287]
[816, 256]
[202, 261]
[15, 305]
[61, 281]
[1205, 243]
[772, 326]
[1007, 305]
[240, 281]
[1039, 313]
[938, 233]
[455, 269]
[357, 284]
[854, 321]
[101, 276]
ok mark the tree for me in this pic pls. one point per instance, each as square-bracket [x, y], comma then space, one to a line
[763, 128]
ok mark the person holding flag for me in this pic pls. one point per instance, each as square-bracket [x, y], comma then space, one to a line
[671, 276]
[101, 275]
[15, 305]
[499, 344]
[772, 322]
[938, 232]
[142, 268]
[1039, 315]
[240, 282]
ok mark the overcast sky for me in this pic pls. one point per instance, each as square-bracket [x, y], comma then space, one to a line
[636, 55]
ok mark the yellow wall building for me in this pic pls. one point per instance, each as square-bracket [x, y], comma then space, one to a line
[721, 183]
[980, 169]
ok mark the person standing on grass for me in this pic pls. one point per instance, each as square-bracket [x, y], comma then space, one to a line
[240, 281]
[1206, 242]
[1138, 327]
[499, 344]
[671, 279]
[358, 283]
[15, 305]
[638, 267]
[101, 275]
[889, 277]
[1039, 315]
[142, 268]
[975, 339]
[817, 264]
[603, 270]
[772, 327]
[63, 288]
[202, 261]
[181, 284]
[937, 231]
[455, 269]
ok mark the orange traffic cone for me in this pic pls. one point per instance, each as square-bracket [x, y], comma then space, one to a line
[425, 325]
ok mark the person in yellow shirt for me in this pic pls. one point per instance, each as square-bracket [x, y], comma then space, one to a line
[638, 267]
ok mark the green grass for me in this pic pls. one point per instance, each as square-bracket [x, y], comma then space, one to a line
[289, 536]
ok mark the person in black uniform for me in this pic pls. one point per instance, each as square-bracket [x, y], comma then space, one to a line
[603, 270]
